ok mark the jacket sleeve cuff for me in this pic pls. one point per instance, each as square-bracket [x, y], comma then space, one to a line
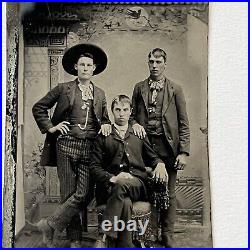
[107, 183]
[47, 127]
[133, 122]
[184, 148]
[156, 162]
[186, 153]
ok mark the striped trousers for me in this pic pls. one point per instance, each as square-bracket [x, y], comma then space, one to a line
[76, 188]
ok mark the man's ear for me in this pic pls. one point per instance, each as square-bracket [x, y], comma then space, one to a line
[75, 66]
[94, 67]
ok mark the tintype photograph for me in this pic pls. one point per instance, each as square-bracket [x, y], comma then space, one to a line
[106, 126]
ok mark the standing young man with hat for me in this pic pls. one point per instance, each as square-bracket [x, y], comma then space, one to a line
[159, 109]
[80, 114]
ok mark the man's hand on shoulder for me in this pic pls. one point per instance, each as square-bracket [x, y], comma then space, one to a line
[105, 129]
[139, 130]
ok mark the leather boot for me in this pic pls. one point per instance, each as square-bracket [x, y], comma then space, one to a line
[168, 240]
[47, 232]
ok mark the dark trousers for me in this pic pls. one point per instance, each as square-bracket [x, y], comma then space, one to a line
[76, 188]
[119, 204]
[164, 151]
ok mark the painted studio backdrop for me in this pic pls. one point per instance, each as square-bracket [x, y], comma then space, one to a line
[126, 33]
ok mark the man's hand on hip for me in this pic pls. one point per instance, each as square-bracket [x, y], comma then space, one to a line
[62, 127]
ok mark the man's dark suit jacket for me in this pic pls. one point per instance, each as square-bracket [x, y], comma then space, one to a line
[107, 156]
[174, 116]
[64, 95]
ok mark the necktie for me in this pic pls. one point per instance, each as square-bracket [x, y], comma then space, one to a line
[155, 87]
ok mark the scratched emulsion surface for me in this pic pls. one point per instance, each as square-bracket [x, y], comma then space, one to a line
[11, 127]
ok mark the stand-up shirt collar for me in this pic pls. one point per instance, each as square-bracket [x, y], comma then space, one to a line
[121, 130]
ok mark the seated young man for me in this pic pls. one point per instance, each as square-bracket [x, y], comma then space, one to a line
[119, 167]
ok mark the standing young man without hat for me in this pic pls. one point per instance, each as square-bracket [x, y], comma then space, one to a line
[80, 113]
[159, 110]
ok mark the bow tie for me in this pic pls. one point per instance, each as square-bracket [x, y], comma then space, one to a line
[87, 92]
[156, 85]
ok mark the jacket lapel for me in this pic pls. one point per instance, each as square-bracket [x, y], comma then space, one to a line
[129, 131]
[71, 92]
[145, 93]
[168, 95]
[96, 95]
[97, 98]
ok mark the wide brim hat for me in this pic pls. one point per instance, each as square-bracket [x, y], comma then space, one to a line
[72, 55]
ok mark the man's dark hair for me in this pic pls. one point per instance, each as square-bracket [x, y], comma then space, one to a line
[157, 52]
[121, 98]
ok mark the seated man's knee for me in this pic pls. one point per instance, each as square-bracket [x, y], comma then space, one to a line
[121, 183]
[121, 186]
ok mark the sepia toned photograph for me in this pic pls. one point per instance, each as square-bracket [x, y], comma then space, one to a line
[107, 126]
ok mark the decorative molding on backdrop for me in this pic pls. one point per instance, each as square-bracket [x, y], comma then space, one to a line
[57, 41]
[53, 70]
[55, 56]
[45, 40]
[55, 52]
